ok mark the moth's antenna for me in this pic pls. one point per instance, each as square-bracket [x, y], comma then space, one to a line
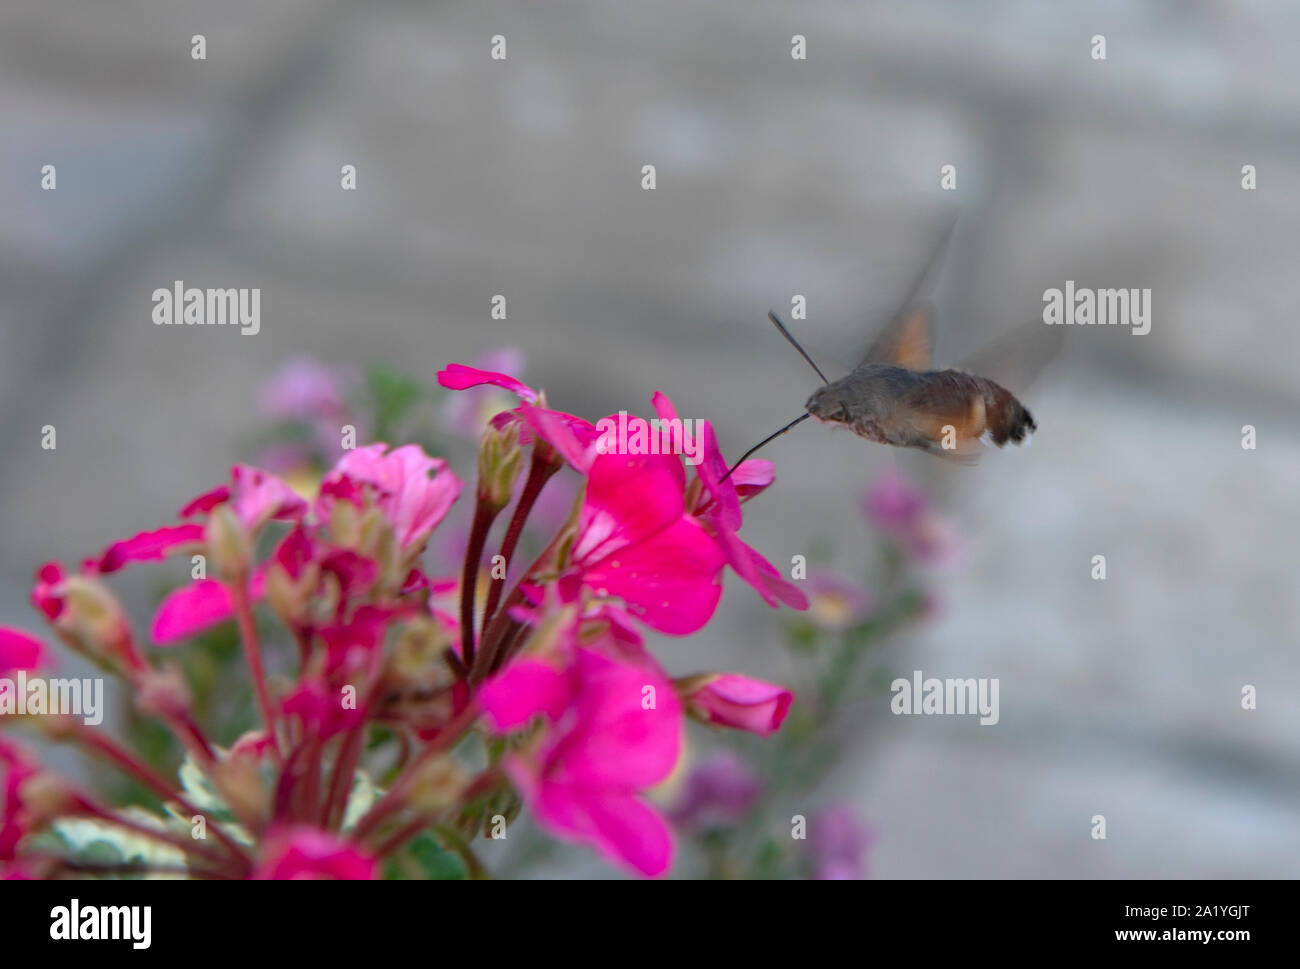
[794, 343]
[771, 437]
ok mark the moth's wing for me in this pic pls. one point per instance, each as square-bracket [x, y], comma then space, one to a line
[908, 341]
[852, 289]
[1016, 358]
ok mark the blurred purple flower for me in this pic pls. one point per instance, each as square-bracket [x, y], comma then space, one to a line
[838, 843]
[903, 513]
[467, 413]
[307, 390]
[720, 790]
[836, 603]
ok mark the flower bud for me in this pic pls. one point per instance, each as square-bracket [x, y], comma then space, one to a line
[378, 542]
[44, 797]
[162, 692]
[92, 620]
[731, 700]
[500, 459]
[228, 544]
[438, 785]
[344, 524]
[241, 785]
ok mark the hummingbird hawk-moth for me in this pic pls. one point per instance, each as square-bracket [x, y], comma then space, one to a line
[893, 397]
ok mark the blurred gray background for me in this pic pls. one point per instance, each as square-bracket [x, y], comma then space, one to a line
[775, 177]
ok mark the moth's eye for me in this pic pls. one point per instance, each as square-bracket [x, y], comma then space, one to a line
[827, 407]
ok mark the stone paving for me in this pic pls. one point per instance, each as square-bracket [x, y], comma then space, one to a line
[775, 177]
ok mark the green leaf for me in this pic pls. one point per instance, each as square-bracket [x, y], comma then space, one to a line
[425, 858]
[393, 394]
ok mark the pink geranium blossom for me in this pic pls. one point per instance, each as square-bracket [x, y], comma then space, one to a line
[604, 746]
[636, 541]
[717, 504]
[413, 490]
[256, 496]
[305, 853]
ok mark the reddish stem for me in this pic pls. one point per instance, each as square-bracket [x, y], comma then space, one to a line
[396, 797]
[253, 652]
[484, 514]
[539, 472]
[155, 782]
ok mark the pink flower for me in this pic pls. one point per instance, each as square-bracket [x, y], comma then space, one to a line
[903, 513]
[572, 437]
[732, 700]
[304, 853]
[606, 743]
[47, 593]
[413, 490]
[718, 507]
[636, 542]
[256, 497]
[19, 651]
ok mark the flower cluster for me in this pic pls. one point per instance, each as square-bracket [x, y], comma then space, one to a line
[377, 675]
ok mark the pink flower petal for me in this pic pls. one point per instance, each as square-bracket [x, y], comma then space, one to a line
[206, 501]
[572, 437]
[621, 826]
[761, 574]
[457, 376]
[20, 651]
[523, 690]
[669, 581]
[306, 853]
[619, 739]
[191, 609]
[148, 545]
[629, 497]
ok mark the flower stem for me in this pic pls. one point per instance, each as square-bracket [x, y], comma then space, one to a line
[539, 472]
[177, 841]
[484, 514]
[253, 652]
[128, 763]
[395, 799]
